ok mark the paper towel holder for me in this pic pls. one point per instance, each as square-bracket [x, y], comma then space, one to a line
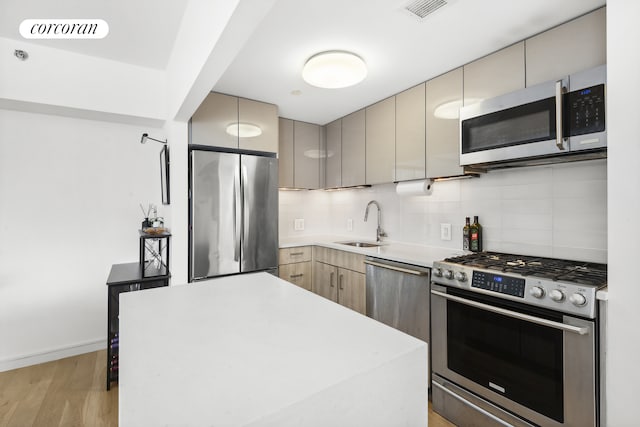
[419, 187]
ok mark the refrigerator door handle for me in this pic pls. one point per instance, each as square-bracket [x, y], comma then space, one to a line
[244, 190]
[237, 219]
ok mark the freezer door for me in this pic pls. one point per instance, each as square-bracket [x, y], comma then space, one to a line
[215, 214]
[259, 176]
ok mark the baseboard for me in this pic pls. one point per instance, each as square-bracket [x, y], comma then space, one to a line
[51, 355]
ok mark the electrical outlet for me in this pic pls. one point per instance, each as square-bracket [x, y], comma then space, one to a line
[298, 224]
[350, 224]
[445, 231]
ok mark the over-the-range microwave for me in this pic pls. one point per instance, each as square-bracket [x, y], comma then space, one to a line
[555, 121]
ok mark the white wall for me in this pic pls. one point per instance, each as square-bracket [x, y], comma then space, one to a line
[70, 193]
[72, 82]
[623, 340]
[557, 211]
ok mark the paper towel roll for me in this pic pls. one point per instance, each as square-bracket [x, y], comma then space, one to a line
[415, 188]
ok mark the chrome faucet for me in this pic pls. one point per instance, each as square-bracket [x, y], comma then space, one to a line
[379, 232]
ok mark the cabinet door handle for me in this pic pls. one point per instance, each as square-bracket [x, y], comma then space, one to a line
[340, 280]
[295, 276]
[296, 253]
[331, 279]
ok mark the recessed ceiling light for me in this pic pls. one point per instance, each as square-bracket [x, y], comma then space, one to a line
[334, 70]
[244, 130]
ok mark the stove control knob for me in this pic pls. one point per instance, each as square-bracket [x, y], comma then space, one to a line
[461, 276]
[448, 274]
[578, 300]
[437, 272]
[556, 295]
[536, 292]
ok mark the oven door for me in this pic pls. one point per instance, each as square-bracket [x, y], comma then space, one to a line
[534, 363]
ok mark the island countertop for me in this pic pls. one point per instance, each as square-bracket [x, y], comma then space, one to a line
[255, 350]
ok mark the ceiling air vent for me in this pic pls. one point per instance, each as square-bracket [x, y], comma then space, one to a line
[422, 8]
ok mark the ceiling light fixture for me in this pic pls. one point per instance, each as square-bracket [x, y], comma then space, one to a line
[244, 130]
[334, 70]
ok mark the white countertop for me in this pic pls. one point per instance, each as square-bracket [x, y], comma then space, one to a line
[255, 350]
[395, 251]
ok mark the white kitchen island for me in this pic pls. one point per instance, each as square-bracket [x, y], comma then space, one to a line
[254, 350]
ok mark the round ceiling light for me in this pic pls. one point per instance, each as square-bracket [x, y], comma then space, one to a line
[244, 130]
[334, 70]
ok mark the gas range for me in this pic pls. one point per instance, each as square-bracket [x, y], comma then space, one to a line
[562, 285]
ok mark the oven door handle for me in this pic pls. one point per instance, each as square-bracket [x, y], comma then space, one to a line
[580, 330]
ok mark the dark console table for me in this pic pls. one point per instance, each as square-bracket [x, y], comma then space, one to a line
[126, 278]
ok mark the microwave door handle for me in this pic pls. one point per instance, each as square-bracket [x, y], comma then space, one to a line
[510, 313]
[559, 128]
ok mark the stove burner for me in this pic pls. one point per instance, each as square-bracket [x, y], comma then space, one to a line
[585, 273]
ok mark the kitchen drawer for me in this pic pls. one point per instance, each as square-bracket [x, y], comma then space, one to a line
[298, 254]
[344, 259]
[297, 273]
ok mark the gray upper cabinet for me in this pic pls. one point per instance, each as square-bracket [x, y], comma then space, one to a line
[216, 123]
[264, 116]
[209, 123]
[333, 165]
[444, 96]
[285, 153]
[410, 134]
[494, 75]
[575, 46]
[299, 155]
[353, 149]
[306, 153]
[381, 142]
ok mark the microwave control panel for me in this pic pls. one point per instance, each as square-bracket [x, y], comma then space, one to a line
[585, 111]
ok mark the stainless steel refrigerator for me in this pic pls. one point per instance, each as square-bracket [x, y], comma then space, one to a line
[233, 201]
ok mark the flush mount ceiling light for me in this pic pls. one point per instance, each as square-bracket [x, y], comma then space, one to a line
[244, 130]
[334, 70]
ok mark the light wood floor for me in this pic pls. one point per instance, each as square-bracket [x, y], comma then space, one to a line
[71, 392]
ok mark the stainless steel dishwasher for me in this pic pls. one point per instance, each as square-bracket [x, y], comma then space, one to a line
[398, 296]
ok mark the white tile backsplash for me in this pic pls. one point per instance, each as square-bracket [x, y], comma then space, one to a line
[556, 210]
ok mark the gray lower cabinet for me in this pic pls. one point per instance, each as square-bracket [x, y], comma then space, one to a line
[444, 98]
[339, 276]
[295, 266]
[410, 134]
[577, 45]
[353, 149]
[381, 142]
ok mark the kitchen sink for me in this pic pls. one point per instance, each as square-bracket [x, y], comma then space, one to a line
[361, 244]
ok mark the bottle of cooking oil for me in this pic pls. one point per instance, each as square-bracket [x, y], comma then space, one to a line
[466, 234]
[475, 236]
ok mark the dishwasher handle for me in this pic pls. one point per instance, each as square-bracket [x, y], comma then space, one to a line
[396, 268]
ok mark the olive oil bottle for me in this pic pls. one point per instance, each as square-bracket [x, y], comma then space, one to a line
[466, 234]
[475, 236]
